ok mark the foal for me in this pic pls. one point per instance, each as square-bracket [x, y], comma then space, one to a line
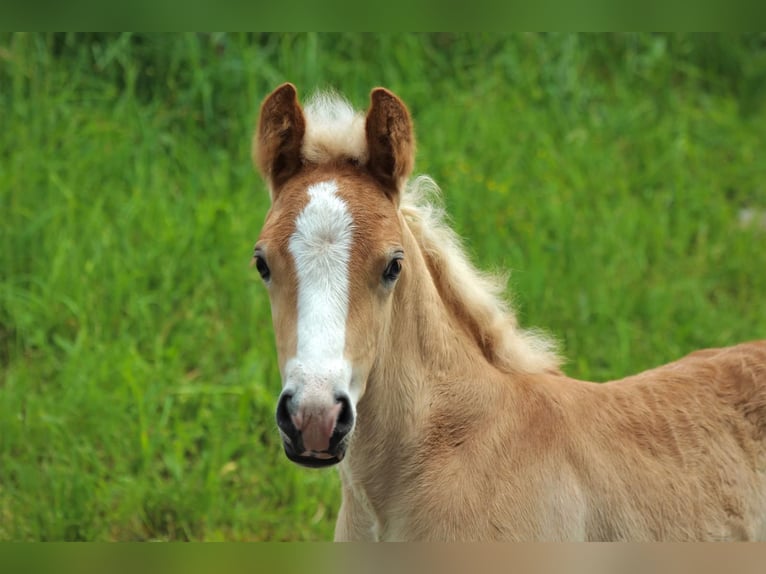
[402, 364]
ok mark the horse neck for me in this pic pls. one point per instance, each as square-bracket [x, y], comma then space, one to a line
[427, 339]
[428, 368]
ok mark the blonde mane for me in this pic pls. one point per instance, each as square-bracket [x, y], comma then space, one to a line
[476, 297]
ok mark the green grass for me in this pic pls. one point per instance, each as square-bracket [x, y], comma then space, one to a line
[137, 366]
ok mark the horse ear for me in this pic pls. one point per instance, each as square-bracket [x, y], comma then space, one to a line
[279, 136]
[390, 141]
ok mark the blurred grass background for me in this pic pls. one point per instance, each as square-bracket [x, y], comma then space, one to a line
[621, 178]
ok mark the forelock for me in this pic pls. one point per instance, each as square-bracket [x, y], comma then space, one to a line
[334, 130]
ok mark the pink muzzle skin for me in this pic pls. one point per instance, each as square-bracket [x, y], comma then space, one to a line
[316, 428]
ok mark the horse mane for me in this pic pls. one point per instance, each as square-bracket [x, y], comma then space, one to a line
[477, 298]
[335, 131]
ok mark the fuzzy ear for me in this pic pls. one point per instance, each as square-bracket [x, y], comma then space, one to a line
[390, 140]
[278, 138]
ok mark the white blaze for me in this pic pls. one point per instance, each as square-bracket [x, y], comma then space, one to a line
[321, 249]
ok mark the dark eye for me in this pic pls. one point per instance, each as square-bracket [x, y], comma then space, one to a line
[393, 269]
[260, 265]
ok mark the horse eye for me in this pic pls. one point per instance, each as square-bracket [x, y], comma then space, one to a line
[263, 269]
[392, 271]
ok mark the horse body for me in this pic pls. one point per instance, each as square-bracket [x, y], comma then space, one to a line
[676, 453]
[402, 364]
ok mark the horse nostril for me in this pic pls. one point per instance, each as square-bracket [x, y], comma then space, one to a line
[284, 421]
[345, 416]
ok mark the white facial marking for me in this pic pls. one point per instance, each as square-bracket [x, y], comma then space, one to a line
[321, 249]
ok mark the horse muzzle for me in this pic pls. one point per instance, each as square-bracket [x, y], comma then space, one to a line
[314, 435]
